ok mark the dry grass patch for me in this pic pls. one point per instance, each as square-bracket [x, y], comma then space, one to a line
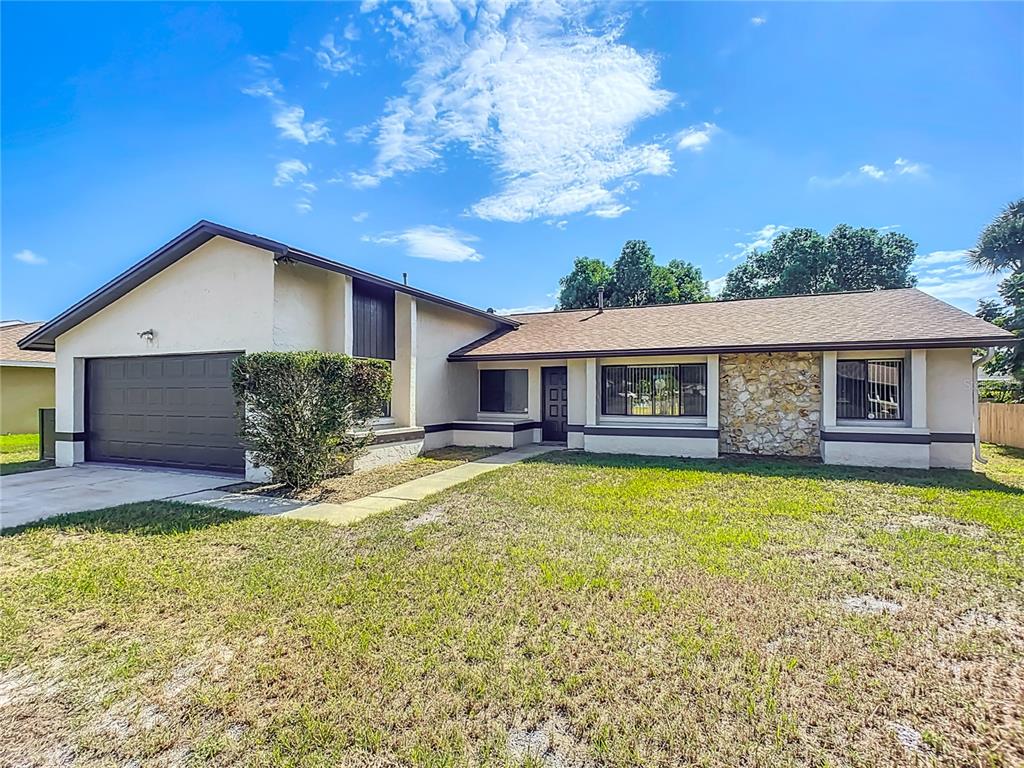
[344, 488]
[572, 610]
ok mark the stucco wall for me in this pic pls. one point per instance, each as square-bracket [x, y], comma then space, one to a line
[301, 308]
[445, 391]
[23, 391]
[770, 403]
[218, 298]
[951, 405]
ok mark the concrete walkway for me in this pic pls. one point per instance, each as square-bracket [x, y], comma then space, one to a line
[382, 501]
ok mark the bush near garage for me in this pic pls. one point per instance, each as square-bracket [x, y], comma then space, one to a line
[307, 415]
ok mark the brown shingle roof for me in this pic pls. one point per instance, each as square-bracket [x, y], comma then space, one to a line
[860, 320]
[9, 336]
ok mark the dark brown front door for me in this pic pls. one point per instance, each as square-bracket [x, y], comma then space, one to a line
[554, 382]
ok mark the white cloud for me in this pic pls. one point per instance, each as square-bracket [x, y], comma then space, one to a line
[696, 137]
[30, 257]
[303, 205]
[557, 223]
[757, 21]
[289, 119]
[610, 212]
[351, 32]
[536, 91]
[760, 239]
[431, 242]
[358, 134]
[308, 186]
[716, 286]
[940, 257]
[528, 309]
[333, 59]
[360, 217]
[288, 170]
[869, 172]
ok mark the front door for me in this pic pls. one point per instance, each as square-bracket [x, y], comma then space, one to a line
[554, 383]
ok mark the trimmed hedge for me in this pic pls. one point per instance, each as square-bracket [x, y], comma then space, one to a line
[306, 415]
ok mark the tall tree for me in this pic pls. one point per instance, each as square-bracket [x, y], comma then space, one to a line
[802, 261]
[578, 289]
[1001, 248]
[633, 275]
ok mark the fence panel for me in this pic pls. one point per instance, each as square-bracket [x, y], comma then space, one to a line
[1002, 424]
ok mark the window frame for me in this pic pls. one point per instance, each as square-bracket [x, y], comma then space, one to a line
[680, 395]
[901, 387]
[505, 371]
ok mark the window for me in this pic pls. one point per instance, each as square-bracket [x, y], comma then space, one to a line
[503, 391]
[869, 389]
[654, 390]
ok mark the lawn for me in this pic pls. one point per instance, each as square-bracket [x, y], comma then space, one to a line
[338, 490]
[20, 453]
[569, 611]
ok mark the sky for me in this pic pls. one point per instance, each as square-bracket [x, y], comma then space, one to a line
[481, 148]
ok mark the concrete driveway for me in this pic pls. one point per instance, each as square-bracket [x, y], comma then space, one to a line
[33, 496]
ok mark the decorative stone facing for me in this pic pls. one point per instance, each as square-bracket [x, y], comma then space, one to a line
[770, 403]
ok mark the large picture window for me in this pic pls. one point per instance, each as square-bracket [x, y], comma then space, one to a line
[869, 389]
[654, 390]
[504, 391]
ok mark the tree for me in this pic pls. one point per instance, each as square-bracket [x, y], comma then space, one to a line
[579, 288]
[633, 280]
[633, 275]
[1001, 247]
[306, 415]
[802, 261]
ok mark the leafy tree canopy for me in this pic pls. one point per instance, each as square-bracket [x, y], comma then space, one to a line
[1000, 248]
[802, 261]
[634, 279]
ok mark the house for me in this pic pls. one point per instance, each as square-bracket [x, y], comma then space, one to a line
[881, 378]
[26, 380]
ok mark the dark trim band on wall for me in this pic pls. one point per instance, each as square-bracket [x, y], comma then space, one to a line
[399, 435]
[710, 434]
[573, 427]
[69, 437]
[478, 426]
[896, 438]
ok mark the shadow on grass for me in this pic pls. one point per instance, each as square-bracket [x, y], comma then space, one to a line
[17, 467]
[146, 518]
[949, 479]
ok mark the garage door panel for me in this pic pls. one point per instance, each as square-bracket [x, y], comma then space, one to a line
[174, 410]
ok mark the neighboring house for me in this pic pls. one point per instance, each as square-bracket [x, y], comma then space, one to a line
[26, 380]
[873, 378]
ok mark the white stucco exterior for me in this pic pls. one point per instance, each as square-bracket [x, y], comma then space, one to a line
[226, 296]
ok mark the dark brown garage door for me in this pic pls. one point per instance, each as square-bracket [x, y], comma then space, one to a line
[172, 410]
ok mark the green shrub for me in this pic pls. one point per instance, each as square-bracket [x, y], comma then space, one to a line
[1001, 391]
[306, 415]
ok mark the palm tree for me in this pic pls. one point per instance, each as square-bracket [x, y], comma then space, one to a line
[1001, 244]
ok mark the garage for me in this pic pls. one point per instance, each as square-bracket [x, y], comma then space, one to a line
[167, 410]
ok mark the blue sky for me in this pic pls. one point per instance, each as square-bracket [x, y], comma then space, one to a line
[481, 151]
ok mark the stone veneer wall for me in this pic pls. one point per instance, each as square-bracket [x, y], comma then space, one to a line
[770, 403]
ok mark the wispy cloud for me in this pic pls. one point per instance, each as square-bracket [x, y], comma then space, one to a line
[869, 172]
[303, 205]
[431, 242]
[288, 170]
[759, 240]
[946, 275]
[332, 58]
[360, 217]
[940, 257]
[716, 286]
[529, 308]
[758, 21]
[289, 119]
[544, 93]
[697, 137]
[609, 212]
[30, 257]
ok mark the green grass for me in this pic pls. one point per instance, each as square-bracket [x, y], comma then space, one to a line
[20, 453]
[641, 611]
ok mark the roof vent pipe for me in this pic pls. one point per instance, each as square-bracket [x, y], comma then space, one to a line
[600, 298]
[405, 278]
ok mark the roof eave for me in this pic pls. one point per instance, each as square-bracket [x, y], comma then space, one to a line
[937, 343]
[43, 338]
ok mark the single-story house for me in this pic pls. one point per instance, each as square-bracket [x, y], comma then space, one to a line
[26, 379]
[883, 378]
